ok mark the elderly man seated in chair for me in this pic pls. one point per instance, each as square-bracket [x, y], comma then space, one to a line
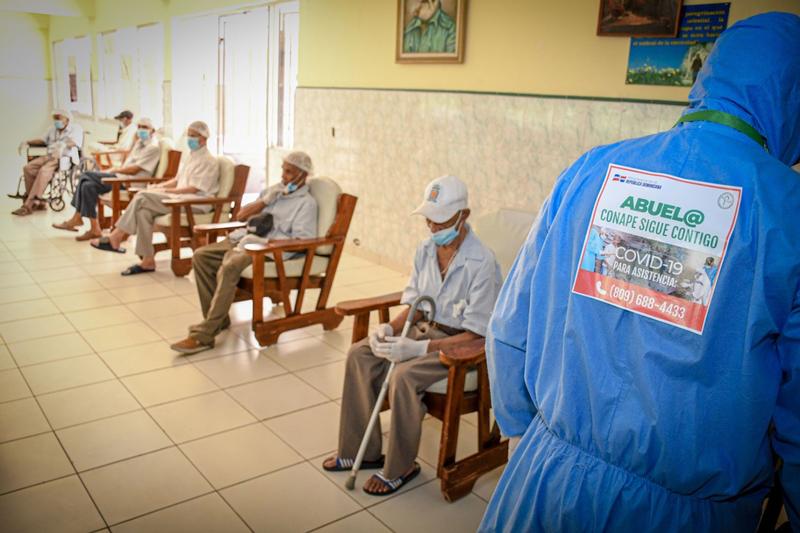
[218, 266]
[141, 161]
[63, 135]
[462, 276]
[198, 175]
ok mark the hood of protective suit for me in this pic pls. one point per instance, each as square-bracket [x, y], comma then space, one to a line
[753, 72]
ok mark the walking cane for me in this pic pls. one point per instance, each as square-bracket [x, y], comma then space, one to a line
[351, 481]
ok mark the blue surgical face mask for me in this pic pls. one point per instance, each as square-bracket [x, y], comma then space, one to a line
[193, 142]
[446, 236]
[58, 124]
[143, 134]
[290, 188]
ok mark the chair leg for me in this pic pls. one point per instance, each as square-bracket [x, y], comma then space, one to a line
[267, 332]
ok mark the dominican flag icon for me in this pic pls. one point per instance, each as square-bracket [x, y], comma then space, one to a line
[619, 177]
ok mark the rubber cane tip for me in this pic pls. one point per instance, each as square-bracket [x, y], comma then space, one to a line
[350, 484]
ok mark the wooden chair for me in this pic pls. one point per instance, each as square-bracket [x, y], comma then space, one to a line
[466, 388]
[119, 198]
[105, 160]
[178, 226]
[316, 269]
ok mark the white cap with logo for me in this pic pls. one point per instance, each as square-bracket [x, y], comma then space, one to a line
[444, 197]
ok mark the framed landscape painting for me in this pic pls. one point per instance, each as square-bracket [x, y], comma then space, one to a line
[430, 31]
[639, 18]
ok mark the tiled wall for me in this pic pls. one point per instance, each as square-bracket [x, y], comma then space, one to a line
[385, 146]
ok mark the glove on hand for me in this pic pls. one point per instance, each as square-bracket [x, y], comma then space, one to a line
[399, 349]
[378, 336]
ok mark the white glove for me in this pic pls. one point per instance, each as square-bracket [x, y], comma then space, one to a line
[378, 336]
[399, 349]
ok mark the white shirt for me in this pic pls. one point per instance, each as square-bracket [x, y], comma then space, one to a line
[466, 297]
[56, 140]
[144, 155]
[126, 138]
[199, 169]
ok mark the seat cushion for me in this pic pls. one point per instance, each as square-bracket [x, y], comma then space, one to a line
[294, 268]
[504, 231]
[124, 196]
[326, 192]
[470, 384]
[199, 218]
[165, 144]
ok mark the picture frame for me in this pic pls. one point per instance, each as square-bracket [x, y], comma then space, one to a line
[639, 18]
[430, 31]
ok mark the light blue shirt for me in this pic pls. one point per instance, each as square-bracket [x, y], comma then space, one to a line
[466, 296]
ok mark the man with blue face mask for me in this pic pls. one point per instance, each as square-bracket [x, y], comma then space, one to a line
[141, 161]
[462, 276]
[61, 137]
[218, 266]
[198, 174]
[657, 400]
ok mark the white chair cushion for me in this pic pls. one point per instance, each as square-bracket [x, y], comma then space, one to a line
[470, 384]
[199, 218]
[124, 196]
[294, 268]
[504, 231]
[326, 192]
[165, 144]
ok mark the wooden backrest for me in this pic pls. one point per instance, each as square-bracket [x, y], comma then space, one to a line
[240, 174]
[344, 214]
[173, 162]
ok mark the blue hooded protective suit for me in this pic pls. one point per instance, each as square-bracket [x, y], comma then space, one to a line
[629, 423]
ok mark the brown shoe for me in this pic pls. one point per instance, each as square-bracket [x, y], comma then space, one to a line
[189, 346]
[22, 211]
[88, 235]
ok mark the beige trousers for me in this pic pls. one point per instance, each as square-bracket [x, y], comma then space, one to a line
[217, 269]
[364, 374]
[38, 173]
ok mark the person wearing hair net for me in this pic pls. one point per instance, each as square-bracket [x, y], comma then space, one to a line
[198, 174]
[141, 161]
[639, 417]
[63, 135]
[218, 266]
[462, 276]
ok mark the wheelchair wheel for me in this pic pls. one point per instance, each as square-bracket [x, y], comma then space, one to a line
[57, 203]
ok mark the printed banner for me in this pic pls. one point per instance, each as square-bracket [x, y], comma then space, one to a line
[656, 243]
[677, 61]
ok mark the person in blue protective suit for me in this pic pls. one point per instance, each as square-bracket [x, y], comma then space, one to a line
[629, 423]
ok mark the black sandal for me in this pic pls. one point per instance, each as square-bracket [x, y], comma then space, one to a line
[345, 465]
[393, 484]
[105, 244]
[136, 269]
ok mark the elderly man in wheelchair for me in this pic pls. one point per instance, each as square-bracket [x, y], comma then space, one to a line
[63, 139]
[463, 277]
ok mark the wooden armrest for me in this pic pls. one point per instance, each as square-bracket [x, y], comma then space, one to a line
[464, 353]
[111, 152]
[132, 180]
[287, 245]
[219, 226]
[366, 305]
[197, 200]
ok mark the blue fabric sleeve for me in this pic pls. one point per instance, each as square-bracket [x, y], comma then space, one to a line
[786, 438]
[506, 353]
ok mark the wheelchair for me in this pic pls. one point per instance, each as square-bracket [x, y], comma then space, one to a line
[65, 180]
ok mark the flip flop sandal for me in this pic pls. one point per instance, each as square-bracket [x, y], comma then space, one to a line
[393, 484]
[65, 226]
[22, 211]
[345, 465]
[87, 236]
[136, 269]
[105, 245]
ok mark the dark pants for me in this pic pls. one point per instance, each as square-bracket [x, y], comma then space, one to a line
[90, 187]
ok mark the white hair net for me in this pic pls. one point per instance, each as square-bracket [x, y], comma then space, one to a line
[301, 160]
[200, 127]
[63, 113]
[144, 121]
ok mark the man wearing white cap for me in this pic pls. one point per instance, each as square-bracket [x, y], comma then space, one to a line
[141, 161]
[462, 276]
[38, 172]
[218, 266]
[198, 175]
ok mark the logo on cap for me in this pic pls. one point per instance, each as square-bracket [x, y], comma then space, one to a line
[434, 195]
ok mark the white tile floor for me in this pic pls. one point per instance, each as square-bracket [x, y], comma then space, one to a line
[103, 427]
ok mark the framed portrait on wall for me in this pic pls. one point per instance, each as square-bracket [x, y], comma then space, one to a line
[639, 18]
[430, 31]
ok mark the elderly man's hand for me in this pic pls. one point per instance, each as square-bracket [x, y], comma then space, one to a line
[379, 335]
[399, 349]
